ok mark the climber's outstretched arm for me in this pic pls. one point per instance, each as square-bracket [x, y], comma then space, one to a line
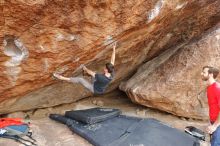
[113, 55]
[90, 72]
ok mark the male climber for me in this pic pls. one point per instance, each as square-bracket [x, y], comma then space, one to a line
[99, 80]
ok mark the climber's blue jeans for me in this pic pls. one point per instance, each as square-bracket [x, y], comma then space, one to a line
[215, 140]
[84, 82]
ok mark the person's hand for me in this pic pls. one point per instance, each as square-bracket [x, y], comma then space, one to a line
[211, 128]
[56, 75]
[81, 66]
[114, 46]
[84, 68]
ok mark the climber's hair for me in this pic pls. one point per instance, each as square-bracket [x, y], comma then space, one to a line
[109, 67]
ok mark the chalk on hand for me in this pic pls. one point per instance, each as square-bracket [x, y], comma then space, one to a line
[81, 66]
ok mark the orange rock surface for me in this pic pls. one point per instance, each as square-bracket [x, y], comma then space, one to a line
[39, 37]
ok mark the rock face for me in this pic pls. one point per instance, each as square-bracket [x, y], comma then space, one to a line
[39, 37]
[172, 82]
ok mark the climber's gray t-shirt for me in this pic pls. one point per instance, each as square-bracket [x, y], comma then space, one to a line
[101, 82]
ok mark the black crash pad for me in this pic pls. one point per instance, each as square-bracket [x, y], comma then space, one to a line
[93, 115]
[128, 131]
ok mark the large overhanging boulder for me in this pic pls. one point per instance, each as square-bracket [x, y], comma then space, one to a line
[39, 37]
[172, 81]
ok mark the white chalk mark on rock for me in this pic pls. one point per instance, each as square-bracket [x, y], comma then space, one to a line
[155, 11]
[65, 36]
[179, 6]
[15, 49]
